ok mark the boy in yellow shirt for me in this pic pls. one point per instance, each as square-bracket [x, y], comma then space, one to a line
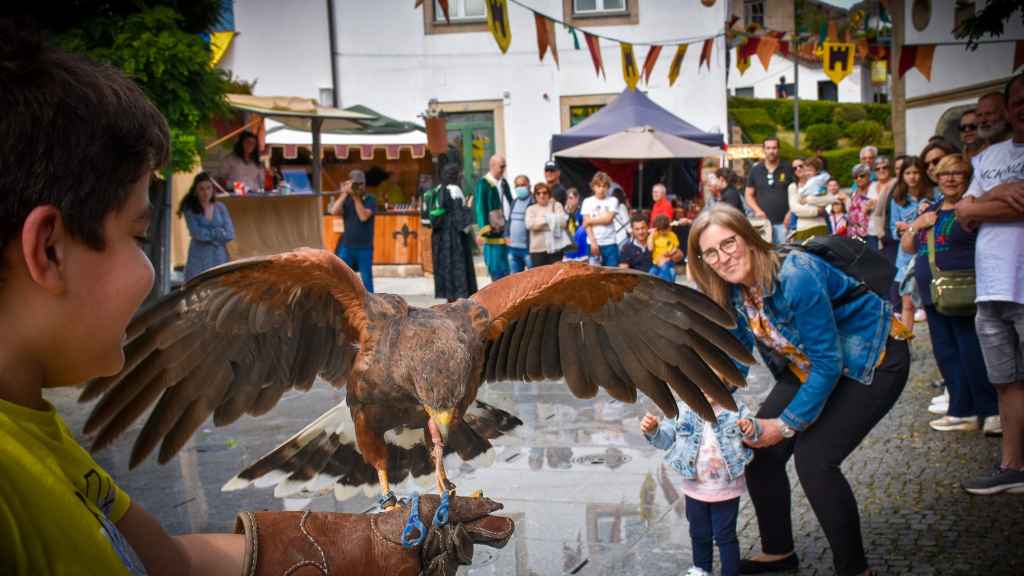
[78, 144]
[665, 252]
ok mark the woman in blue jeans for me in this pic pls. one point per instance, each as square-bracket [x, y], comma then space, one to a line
[842, 362]
[954, 338]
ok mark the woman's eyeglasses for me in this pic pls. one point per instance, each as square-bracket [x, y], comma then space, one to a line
[968, 127]
[882, 167]
[727, 247]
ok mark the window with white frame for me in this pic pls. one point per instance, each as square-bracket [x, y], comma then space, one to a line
[461, 11]
[598, 7]
[753, 12]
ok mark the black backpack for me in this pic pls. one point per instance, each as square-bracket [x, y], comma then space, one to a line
[854, 257]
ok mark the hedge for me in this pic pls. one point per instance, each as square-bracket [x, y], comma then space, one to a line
[865, 132]
[823, 136]
[811, 111]
[841, 162]
[756, 123]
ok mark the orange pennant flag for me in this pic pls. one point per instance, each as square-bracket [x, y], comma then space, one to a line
[545, 37]
[923, 60]
[649, 61]
[705, 54]
[630, 73]
[766, 49]
[1018, 55]
[594, 46]
[677, 64]
[862, 48]
[833, 31]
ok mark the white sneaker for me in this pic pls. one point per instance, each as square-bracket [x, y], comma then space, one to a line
[992, 426]
[920, 316]
[695, 571]
[952, 423]
[941, 398]
[939, 409]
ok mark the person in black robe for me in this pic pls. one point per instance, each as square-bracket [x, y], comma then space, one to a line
[451, 242]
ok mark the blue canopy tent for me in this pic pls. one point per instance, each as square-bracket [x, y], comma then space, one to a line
[631, 109]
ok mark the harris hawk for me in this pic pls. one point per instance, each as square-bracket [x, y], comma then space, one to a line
[232, 340]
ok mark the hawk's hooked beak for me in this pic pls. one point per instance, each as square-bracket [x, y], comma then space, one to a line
[440, 420]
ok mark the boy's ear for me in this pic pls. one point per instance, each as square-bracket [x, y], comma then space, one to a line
[43, 246]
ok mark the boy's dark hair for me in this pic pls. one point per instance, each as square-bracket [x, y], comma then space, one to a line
[832, 179]
[814, 162]
[75, 135]
[661, 222]
[191, 200]
[637, 218]
[725, 174]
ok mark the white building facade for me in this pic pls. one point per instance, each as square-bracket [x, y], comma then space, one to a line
[958, 76]
[757, 82]
[397, 59]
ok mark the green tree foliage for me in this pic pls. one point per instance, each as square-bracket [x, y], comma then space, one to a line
[988, 22]
[756, 123]
[843, 116]
[159, 47]
[823, 136]
[865, 132]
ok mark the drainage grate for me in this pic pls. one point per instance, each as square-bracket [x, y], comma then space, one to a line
[613, 460]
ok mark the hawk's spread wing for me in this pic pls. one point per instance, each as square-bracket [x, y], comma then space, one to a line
[612, 328]
[230, 342]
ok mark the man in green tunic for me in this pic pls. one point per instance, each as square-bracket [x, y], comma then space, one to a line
[492, 199]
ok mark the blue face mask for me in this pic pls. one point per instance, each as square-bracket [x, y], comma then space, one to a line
[522, 192]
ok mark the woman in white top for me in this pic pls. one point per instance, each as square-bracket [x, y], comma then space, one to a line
[243, 164]
[879, 191]
[546, 220]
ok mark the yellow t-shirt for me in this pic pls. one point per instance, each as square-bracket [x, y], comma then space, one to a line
[664, 243]
[57, 506]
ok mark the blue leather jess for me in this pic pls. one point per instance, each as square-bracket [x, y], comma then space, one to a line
[682, 437]
[846, 340]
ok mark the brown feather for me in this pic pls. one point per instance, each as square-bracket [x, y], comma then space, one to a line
[721, 339]
[512, 364]
[623, 389]
[692, 300]
[718, 361]
[535, 339]
[693, 366]
[644, 380]
[689, 393]
[505, 344]
[191, 419]
[550, 350]
[568, 330]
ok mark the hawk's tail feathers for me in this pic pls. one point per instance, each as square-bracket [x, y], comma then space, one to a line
[324, 455]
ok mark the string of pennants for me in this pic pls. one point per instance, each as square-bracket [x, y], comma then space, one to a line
[498, 25]
[920, 56]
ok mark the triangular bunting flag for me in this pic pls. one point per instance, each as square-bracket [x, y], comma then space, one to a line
[748, 48]
[549, 26]
[545, 37]
[908, 57]
[923, 60]
[784, 48]
[593, 44]
[1018, 55]
[677, 64]
[630, 73]
[444, 8]
[742, 64]
[649, 61]
[732, 22]
[766, 49]
[833, 31]
[705, 54]
[497, 23]
[862, 48]
[575, 38]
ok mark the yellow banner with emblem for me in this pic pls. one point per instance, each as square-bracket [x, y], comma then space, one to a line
[497, 23]
[837, 59]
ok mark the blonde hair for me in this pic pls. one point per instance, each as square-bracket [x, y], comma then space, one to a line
[600, 178]
[764, 260]
[955, 161]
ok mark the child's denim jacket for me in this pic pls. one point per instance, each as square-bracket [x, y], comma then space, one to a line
[681, 436]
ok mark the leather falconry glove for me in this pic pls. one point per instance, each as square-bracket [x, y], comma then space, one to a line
[428, 535]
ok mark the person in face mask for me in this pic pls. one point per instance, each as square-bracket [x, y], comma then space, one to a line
[518, 238]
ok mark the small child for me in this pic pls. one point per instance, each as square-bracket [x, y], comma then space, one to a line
[664, 246]
[816, 184]
[711, 457]
[837, 219]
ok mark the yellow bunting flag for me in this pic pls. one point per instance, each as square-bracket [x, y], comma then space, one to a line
[219, 44]
[766, 49]
[630, 73]
[742, 63]
[677, 64]
[546, 37]
[649, 61]
[837, 59]
[497, 23]
[594, 46]
[705, 54]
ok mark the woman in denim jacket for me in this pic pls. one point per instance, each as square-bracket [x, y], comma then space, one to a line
[846, 362]
[712, 470]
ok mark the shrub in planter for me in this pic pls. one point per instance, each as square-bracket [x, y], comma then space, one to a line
[865, 132]
[822, 136]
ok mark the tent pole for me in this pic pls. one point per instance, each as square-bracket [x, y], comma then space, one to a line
[316, 124]
[640, 190]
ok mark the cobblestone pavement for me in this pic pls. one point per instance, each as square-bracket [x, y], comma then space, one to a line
[589, 495]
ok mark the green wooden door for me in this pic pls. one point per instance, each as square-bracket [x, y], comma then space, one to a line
[470, 144]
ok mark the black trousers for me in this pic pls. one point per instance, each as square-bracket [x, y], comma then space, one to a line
[851, 412]
[544, 258]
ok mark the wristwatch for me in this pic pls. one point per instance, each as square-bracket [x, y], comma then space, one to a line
[787, 432]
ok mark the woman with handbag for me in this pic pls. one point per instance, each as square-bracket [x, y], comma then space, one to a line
[944, 271]
[546, 221]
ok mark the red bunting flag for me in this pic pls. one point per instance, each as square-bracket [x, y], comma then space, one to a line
[917, 56]
[649, 61]
[784, 48]
[444, 8]
[1018, 55]
[705, 54]
[546, 37]
[677, 64]
[593, 44]
[908, 54]
[748, 48]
